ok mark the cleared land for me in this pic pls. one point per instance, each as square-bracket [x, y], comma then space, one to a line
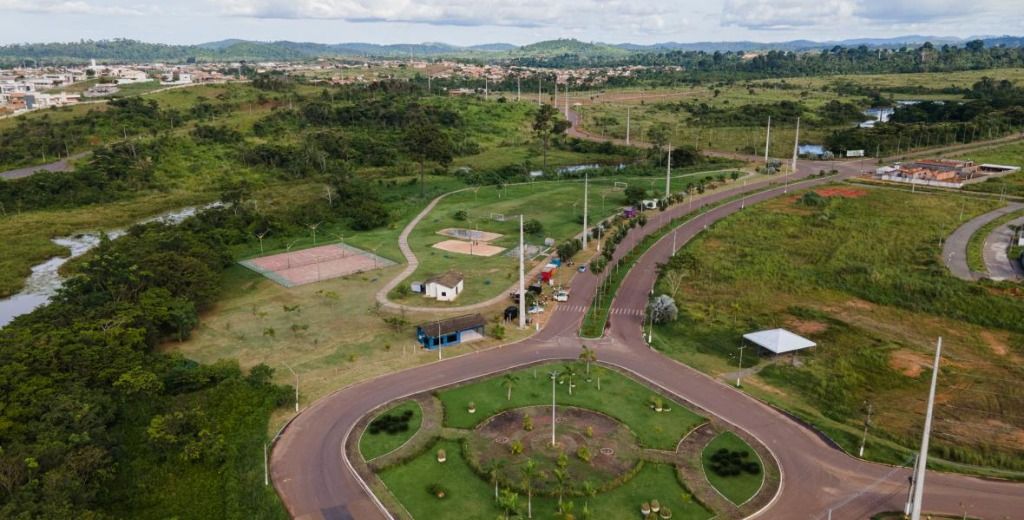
[862, 277]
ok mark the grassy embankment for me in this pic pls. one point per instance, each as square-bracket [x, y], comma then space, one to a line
[863, 278]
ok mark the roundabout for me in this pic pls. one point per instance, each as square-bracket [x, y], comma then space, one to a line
[317, 479]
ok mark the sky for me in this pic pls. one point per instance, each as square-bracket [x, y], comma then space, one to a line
[468, 22]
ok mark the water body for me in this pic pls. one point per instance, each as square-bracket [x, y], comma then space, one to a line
[45, 280]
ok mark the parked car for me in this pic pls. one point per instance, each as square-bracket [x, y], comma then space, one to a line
[536, 309]
[562, 296]
[583, 268]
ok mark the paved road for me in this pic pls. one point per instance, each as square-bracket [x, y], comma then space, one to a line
[315, 480]
[996, 247]
[954, 251]
[62, 165]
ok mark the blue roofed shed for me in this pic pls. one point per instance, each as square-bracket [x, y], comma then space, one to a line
[452, 331]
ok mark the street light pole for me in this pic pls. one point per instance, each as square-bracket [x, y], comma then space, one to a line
[739, 373]
[922, 458]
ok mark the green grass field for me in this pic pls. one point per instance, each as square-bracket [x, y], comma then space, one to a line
[862, 277]
[619, 397]
[372, 446]
[740, 488]
[470, 496]
[1010, 154]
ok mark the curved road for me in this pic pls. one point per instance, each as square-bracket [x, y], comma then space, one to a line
[315, 479]
[954, 250]
[997, 245]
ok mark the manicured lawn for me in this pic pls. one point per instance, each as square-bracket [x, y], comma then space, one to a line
[469, 496]
[374, 445]
[620, 397]
[739, 488]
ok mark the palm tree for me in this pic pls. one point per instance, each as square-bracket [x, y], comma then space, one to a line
[494, 471]
[590, 491]
[561, 477]
[529, 471]
[509, 501]
[598, 372]
[567, 374]
[508, 382]
[565, 511]
[588, 356]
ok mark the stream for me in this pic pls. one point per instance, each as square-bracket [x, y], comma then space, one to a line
[45, 280]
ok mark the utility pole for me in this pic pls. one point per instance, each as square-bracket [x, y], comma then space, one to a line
[586, 196]
[266, 466]
[767, 140]
[519, 89]
[668, 175]
[739, 373]
[539, 84]
[922, 459]
[627, 126]
[864, 438]
[565, 97]
[522, 278]
[796, 148]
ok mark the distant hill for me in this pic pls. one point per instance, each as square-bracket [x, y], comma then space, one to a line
[127, 51]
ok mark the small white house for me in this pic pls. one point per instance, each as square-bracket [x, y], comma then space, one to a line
[445, 287]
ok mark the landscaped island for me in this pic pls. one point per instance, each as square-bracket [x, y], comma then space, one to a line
[621, 449]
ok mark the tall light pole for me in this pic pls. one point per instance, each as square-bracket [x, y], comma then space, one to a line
[627, 126]
[739, 373]
[586, 195]
[540, 83]
[519, 88]
[522, 278]
[565, 96]
[767, 140]
[922, 458]
[796, 148]
[668, 175]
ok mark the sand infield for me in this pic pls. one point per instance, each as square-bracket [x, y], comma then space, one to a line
[468, 248]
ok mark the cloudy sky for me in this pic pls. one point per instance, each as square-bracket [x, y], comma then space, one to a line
[514, 21]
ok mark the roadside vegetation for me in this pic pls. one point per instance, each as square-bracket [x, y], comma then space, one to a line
[732, 467]
[390, 429]
[850, 270]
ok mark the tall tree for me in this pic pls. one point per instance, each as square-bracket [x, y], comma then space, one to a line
[547, 124]
[425, 141]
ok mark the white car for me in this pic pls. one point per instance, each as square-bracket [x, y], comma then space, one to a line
[562, 296]
[536, 309]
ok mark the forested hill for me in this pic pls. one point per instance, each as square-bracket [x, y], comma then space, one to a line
[561, 52]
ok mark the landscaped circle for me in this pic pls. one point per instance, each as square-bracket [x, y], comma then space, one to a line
[591, 447]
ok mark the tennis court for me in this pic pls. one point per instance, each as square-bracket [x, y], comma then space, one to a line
[315, 264]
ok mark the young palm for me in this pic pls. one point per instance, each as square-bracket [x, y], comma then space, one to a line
[561, 478]
[494, 471]
[598, 372]
[509, 381]
[565, 511]
[588, 356]
[590, 491]
[529, 471]
[568, 373]
[509, 501]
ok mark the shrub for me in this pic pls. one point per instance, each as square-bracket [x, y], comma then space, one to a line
[727, 463]
[437, 490]
[583, 453]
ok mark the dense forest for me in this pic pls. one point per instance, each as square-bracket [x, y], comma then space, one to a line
[94, 420]
[992, 108]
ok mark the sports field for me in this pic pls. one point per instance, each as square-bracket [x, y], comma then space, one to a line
[315, 264]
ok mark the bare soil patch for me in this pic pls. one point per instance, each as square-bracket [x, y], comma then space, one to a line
[805, 327]
[846, 193]
[908, 362]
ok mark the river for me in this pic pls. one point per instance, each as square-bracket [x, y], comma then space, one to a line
[45, 280]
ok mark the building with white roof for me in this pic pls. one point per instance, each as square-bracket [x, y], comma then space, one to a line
[778, 341]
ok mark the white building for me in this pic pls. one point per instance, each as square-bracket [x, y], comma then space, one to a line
[445, 287]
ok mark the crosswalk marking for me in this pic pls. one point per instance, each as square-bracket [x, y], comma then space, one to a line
[615, 310]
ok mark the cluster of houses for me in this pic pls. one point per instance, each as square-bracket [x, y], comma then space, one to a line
[944, 173]
[33, 88]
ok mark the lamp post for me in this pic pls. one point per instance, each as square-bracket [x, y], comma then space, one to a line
[288, 249]
[739, 373]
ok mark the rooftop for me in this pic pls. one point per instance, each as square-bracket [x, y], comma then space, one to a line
[779, 341]
[453, 325]
[449, 279]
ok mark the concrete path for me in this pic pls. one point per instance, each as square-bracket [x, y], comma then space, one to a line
[62, 165]
[997, 245]
[954, 251]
